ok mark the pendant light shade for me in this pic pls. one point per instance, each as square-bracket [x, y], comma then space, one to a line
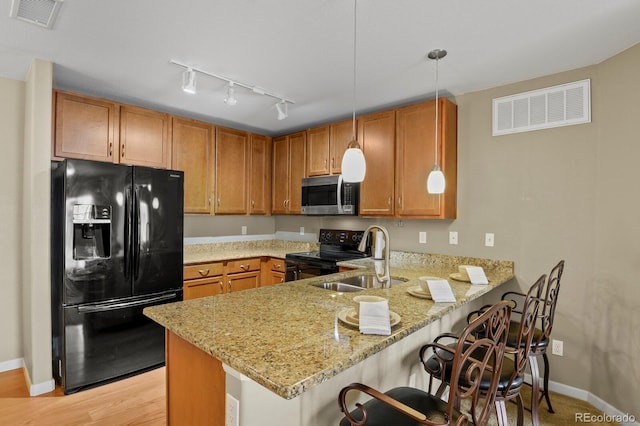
[354, 166]
[435, 180]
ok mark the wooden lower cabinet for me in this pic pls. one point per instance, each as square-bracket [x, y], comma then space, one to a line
[195, 385]
[210, 279]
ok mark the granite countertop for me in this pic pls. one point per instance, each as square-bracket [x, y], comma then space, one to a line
[283, 336]
[212, 252]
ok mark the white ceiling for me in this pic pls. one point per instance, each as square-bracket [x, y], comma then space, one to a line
[303, 50]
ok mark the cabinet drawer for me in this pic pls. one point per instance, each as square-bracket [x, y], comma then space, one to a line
[277, 265]
[203, 270]
[243, 265]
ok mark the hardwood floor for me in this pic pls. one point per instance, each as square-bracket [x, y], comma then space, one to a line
[138, 400]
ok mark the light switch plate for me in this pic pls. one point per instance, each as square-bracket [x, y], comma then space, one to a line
[453, 237]
[422, 237]
[302, 230]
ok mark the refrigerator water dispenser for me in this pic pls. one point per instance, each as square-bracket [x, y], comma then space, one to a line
[91, 231]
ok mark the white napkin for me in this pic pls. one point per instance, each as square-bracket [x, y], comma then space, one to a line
[441, 291]
[374, 318]
[476, 275]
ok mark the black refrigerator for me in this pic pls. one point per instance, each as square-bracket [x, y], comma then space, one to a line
[117, 247]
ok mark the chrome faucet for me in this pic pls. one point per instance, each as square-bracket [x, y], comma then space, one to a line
[386, 280]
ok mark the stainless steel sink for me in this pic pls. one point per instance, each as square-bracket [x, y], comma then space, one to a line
[357, 283]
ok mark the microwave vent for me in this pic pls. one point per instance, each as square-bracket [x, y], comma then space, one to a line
[555, 106]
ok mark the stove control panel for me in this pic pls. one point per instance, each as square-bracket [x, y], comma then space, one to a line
[342, 237]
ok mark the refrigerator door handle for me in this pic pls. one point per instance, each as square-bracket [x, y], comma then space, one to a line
[128, 232]
[136, 241]
[122, 305]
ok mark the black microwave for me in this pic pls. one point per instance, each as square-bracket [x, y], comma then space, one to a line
[329, 195]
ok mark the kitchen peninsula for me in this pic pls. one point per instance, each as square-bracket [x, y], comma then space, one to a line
[285, 353]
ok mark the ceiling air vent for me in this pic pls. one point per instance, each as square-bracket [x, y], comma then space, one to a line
[38, 12]
[556, 106]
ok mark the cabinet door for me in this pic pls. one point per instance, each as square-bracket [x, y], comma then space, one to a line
[203, 287]
[297, 170]
[243, 281]
[232, 164]
[144, 137]
[260, 175]
[376, 134]
[280, 179]
[193, 153]
[415, 156]
[85, 128]
[318, 151]
[341, 134]
[274, 277]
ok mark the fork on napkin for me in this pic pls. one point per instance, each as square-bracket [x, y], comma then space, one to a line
[374, 318]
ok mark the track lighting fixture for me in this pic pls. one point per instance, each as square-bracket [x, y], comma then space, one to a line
[231, 99]
[189, 81]
[282, 110]
[189, 86]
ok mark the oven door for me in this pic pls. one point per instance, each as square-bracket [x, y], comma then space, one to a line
[301, 269]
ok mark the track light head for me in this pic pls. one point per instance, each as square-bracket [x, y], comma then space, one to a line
[189, 81]
[231, 99]
[282, 110]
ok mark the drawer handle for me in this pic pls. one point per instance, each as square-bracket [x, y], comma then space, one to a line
[244, 267]
[277, 266]
[229, 286]
[221, 286]
[203, 272]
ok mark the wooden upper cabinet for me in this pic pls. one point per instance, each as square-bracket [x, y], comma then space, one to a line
[415, 156]
[232, 165]
[280, 175]
[376, 135]
[85, 128]
[144, 137]
[318, 151]
[289, 167]
[341, 134]
[326, 146]
[297, 170]
[193, 153]
[260, 175]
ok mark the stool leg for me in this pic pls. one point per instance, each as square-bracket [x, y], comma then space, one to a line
[535, 387]
[521, 412]
[546, 382]
[501, 412]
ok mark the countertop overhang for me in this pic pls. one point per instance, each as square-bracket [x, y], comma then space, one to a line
[283, 336]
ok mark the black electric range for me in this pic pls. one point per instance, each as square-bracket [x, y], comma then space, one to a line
[335, 245]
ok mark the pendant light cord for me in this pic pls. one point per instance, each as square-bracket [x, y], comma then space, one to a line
[353, 130]
[436, 141]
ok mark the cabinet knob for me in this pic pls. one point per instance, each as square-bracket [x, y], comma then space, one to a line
[218, 202]
[110, 149]
[399, 201]
[203, 272]
[333, 162]
[325, 163]
[244, 267]
[229, 285]
[253, 204]
[122, 151]
[389, 201]
[221, 286]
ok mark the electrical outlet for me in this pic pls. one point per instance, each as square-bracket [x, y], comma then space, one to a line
[453, 237]
[557, 347]
[233, 412]
[488, 239]
[244, 230]
[422, 237]
[302, 230]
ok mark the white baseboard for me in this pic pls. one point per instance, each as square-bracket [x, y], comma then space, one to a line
[592, 399]
[11, 364]
[35, 389]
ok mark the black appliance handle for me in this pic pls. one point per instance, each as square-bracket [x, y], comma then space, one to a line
[136, 236]
[123, 305]
[128, 234]
[339, 194]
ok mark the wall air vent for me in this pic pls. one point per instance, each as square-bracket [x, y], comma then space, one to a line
[39, 12]
[556, 106]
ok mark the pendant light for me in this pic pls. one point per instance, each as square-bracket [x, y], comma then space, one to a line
[435, 181]
[354, 166]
